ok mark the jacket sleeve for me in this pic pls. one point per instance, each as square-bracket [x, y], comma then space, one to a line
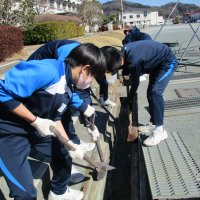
[135, 76]
[78, 103]
[21, 81]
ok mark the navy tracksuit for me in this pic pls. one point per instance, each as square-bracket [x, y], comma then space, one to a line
[135, 35]
[41, 87]
[157, 60]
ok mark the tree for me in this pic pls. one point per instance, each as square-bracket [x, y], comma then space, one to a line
[110, 18]
[90, 12]
[6, 13]
[176, 20]
[41, 6]
[21, 15]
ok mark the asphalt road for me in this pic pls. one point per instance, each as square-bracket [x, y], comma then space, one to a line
[181, 33]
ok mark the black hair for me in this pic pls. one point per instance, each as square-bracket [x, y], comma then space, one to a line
[126, 31]
[88, 54]
[113, 58]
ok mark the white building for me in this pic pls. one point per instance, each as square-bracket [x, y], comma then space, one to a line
[63, 6]
[53, 6]
[141, 17]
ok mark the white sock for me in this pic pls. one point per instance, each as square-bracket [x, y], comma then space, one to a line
[159, 128]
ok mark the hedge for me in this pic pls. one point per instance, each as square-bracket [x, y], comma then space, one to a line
[11, 41]
[46, 31]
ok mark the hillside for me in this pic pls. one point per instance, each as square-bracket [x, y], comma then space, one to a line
[114, 7]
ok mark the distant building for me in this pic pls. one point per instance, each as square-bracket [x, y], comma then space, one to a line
[195, 15]
[191, 16]
[141, 17]
[53, 6]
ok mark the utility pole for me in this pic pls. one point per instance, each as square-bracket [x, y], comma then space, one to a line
[122, 9]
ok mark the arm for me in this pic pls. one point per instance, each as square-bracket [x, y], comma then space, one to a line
[19, 83]
[24, 79]
[79, 104]
[135, 79]
[24, 113]
[61, 129]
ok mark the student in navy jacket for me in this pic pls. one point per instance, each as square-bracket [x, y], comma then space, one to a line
[134, 35]
[33, 96]
[157, 60]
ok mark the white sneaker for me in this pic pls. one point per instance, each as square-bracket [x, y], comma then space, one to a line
[108, 102]
[86, 146]
[76, 176]
[146, 128]
[70, 194]
[155, 138]
[143, 78]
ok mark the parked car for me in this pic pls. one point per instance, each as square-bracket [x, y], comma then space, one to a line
[159, 23]
[192, 21]
[103, 28]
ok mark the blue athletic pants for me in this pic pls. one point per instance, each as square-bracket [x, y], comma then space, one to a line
[157, 83]
[14, 150]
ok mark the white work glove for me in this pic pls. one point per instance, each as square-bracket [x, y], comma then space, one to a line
[42, 126]
[89, 111]
[78, 153]
[94, 134]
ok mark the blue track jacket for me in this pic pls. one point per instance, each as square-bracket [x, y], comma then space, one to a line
[60, 49]
[41, 86]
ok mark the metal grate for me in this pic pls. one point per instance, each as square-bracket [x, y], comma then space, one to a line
[172, 172]
[183, 103]
[187, 92]
[186, 76]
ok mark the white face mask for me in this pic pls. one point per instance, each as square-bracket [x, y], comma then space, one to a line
[83, 84]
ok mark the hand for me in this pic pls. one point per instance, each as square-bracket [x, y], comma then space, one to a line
[132, 133]
[42, 126]
[94, 133]
[78, 153]
[89, 111]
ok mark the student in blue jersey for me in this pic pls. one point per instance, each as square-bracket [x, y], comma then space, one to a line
[33, 96]
[59, 50]
[157, 60]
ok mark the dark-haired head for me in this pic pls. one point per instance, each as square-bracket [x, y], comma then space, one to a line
[90, 55]
[126, 32]
[113, 58]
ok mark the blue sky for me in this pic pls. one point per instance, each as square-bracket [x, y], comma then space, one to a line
[159, 2]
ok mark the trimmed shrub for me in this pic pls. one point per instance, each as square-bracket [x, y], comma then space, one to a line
[11, 41]
[54, 17]
[46, 31]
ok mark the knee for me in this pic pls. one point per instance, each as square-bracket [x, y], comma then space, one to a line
[154, 92]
